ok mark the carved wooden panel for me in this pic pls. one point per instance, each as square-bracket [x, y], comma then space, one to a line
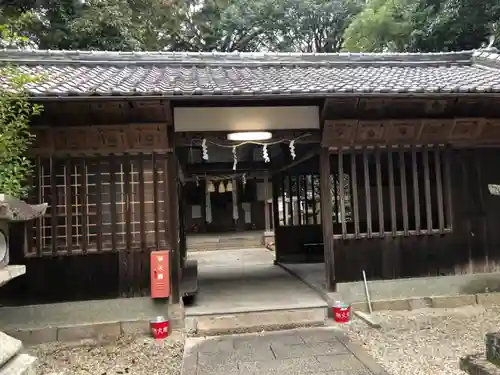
[104, 139]
[148, 137]
[339, 132]
[111, 138]
[370, 132]
[491, 130]
[43, 142]
[435, 131]
[70, 138]
[466, 129]
[402, 131]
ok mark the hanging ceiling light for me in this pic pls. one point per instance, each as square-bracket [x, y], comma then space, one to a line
[249, 136]
[221, 187]
[229, 186]
[211, 187]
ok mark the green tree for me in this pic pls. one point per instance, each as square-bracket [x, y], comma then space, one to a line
[314, 25]
[383, 25]
[16, 111]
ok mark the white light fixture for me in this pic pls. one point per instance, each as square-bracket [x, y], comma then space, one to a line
[249, 136]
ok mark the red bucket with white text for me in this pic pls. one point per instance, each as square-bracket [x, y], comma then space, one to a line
[341, 312]
[159, 327]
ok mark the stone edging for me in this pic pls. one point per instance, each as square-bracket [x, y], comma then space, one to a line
[412, 303]
[76, 332]
[439, 302]
[478, 365]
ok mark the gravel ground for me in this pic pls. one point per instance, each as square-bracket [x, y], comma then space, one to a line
[426, 341]
[125, 355]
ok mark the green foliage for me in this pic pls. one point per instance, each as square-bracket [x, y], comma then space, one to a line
[423, 25]
[16, 111]
[383, 25]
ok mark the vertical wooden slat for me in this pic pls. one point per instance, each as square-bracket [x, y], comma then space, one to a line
[483, 221]
[336, 210]
[326, 217]
[68, 169]
[98, 202]
[297, 193]
[127, 191]
[427, 181]
[354, 191]
[142, 208]
[112, 200]
[447, 182]
[306, 202]
[156, 205]
[468, 210]
[404, 190]
[290, 204]
[380, 193]
[83, 196]
[284, 205]
[168, 187]
[277, 185]
[39, 196]
[368, 199]
[416, 194]
[172, 218]
[54, 199]
[439, 188]
[342, 192]
[392, 192]
[313, 192]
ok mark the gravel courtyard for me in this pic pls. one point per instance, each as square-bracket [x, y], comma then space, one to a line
[126, 355]
[427, 341]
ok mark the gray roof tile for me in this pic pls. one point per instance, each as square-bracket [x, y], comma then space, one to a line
[83, 73]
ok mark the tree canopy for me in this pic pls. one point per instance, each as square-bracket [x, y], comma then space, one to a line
[255, 25]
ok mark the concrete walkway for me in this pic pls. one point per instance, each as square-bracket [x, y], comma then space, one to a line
[319, 351]
[232, 281]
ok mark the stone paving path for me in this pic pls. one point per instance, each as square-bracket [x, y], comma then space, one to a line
[320, 351]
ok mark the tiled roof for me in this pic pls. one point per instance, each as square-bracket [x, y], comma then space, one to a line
[77, 73]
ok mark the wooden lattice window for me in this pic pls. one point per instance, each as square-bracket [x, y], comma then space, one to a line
[100, 204]
[299, 199]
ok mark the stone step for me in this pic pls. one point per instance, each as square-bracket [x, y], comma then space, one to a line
[225, 243]
[21, 364]
[9, 348]
[194, 250]
[258, 321]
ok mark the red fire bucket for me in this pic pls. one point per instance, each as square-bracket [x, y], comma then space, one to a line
[341, 312]
[159, 327]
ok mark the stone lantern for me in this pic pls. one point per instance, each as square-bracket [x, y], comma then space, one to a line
[14, 210]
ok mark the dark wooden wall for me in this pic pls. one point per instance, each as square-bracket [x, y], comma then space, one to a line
[82, 250]
[473, 246]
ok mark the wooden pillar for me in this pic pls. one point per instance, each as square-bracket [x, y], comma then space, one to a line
[266, 204]
[172, 186]
[326, 217]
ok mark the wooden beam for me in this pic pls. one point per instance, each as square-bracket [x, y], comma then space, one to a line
[326, 218]
[227, 168]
